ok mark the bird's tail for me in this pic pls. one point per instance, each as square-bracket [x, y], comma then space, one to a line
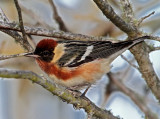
[120, 47]
[140, 39]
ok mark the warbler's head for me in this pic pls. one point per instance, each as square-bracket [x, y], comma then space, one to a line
[44, 50]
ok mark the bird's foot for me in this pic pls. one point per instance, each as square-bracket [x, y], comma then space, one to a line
[75, 93]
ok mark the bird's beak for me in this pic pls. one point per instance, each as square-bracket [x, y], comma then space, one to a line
[31, 54]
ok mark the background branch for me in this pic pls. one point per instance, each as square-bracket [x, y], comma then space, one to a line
[115, 19]
[123, 57]
[3, 57]
[33, 15]
[57, 33]
[137, 99]
[29, 48]
[49, 33]
[141, 54]
[18, 38]
[128, 13]
[57, 17]
[145, 17]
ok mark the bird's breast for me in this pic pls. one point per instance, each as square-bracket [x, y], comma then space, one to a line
[86, 73]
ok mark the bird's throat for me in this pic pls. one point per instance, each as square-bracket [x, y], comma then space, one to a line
[53, 69]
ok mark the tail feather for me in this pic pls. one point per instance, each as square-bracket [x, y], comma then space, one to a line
[123, 46]
[140, 39]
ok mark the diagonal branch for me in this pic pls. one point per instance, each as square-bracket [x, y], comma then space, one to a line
[18, 38]
[65, 95]
[141, 54]
[137, 99]
[152, 48]
[29, 48]
[115, 19]
[145, 17]
[57, 17]
[130, 63]
[33, 15]
[128, 13]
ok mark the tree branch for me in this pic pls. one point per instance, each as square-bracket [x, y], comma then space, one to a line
[18, 38]
[49, 33]
[141, 54]
[29, 48]
[33, 15]
[145, 17]
[115, 19]
[128, 13]
[137, 99]
[65, 95]
[56, 33]
[123, 57]
[3, 57]
[57, 17]
[154, 48]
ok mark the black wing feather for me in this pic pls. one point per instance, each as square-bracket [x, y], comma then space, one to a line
[101, 49]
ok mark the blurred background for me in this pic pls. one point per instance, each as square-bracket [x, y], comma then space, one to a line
[21, 99]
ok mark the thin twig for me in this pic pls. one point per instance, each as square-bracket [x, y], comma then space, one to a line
[22, 26]
[145, 17]
[152, 48]
[123, 57]
[156, 48]
[20, 19]
[137, 99]
[65, 95]
[110, 88]
[3, 57]
[3, 17]
[157, 38]
[57, 17]
[18, 38]
[127, 11]
[49, 33]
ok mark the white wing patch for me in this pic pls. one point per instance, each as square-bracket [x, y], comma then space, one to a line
[71, 60]
[88, 51]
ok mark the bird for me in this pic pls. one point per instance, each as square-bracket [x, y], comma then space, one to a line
[77, 64]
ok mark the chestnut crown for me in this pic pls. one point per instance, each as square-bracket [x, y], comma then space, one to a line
[45, 49]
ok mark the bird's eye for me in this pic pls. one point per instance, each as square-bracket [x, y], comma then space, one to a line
[45, 53]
